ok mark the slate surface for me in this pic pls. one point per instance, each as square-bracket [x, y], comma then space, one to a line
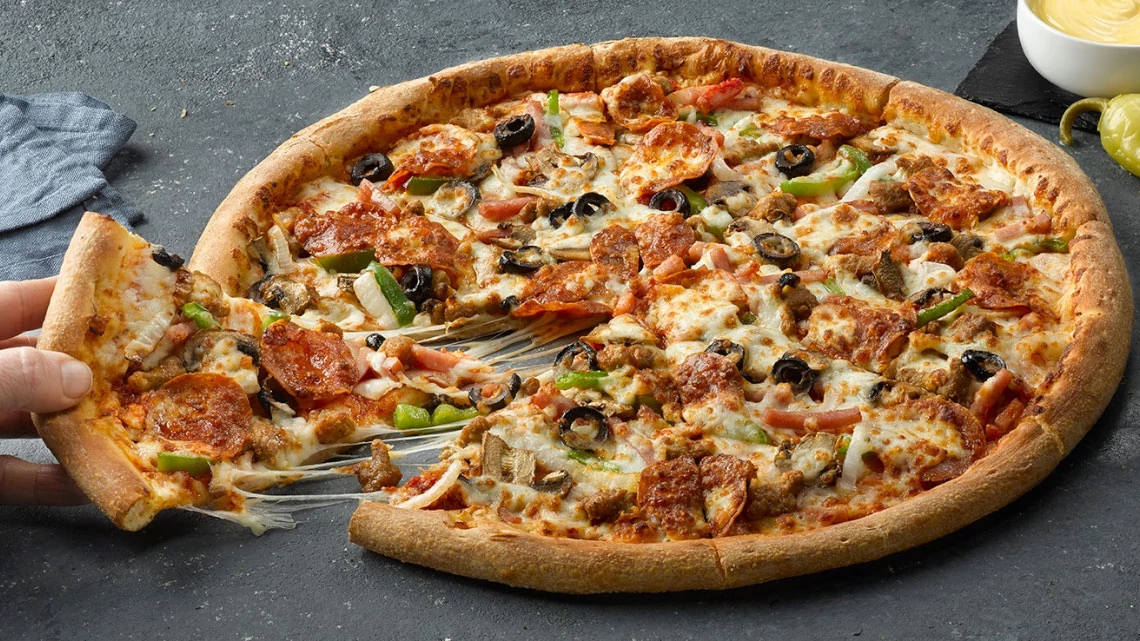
[1061, 562]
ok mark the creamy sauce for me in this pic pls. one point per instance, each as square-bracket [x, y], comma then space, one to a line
[1111, 21]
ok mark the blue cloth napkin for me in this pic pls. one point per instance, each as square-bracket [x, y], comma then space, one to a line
[53, 147]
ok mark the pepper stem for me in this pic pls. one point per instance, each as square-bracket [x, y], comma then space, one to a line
[1076, 109]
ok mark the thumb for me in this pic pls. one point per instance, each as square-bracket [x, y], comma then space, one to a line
[41, 381]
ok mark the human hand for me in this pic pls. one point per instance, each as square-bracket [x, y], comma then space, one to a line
[33, 380]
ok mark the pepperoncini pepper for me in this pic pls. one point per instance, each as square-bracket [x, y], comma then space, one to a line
[1119, 127]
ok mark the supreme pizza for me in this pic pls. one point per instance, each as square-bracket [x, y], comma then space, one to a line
[667, 313]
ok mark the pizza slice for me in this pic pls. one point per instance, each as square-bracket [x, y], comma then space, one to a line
[201, 399]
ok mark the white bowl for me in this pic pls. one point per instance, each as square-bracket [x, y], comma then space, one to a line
[1081, 66]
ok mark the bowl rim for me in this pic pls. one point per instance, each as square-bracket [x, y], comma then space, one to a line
[1040, 22]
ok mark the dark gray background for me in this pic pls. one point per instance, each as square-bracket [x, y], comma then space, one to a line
[1062, 562]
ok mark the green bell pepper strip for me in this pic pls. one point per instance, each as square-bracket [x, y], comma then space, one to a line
[404, 309]
[750, 131]
[696, 202]
[424, 185]
[554, 118]
[816, 184]
[944, 308]
[446, 413]
[272, 317]
[831, 285]
[348, 262]
[189, 463]
[200, 315]
[844, 444]
[410, 417]
[580, 380]
[761, 437]
[589, 460]
[1119, 127]
[649, 401]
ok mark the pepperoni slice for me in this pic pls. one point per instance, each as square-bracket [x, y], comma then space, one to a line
[638, 103]
[944, 199]
[444, 150]
[615, 248]
[310, 365]
[352, 228]
[419, 241]
[662, 236]
[565, 289]
[407, 240]
[668, 155]
[819, 127]
[209, 411]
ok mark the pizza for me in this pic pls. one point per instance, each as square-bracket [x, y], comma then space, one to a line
[664, 314]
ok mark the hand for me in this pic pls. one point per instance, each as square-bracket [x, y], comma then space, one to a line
[33, 380]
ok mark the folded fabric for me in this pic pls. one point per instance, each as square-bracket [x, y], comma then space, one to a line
[1005, 81]
[53, 147]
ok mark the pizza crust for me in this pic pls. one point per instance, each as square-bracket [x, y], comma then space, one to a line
[1089, 370]
[493, 551]
[97, 464]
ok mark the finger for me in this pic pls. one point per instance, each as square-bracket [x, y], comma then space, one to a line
[24, 302]
[24, 483]
[40, 381]
[23, 340]
[16, 425]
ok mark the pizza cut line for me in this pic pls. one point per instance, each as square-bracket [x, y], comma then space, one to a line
[668, 313]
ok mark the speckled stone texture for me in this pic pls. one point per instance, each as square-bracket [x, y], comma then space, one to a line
[1063, 562]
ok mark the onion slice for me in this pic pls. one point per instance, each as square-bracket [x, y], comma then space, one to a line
[421, 501]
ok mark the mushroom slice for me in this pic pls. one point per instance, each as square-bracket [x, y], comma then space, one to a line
[281, 293]
[557, 482]
[505, 463]
[453, 199]
[214, 351]
[814, 456]
[732, 196]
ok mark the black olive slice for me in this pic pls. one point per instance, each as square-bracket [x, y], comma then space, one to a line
[559, 214]
[509, 303]
[795, 160]
[779, 249]
[671, 200]
[877, 390]
[728, 349]
[166, 259]
[374, 340]
[523, 260]
[579, 440]
[417, 284]
[589, 204]
[795, 372]
[514, 131]
[788, 279]
[983, 365]
[933, 232]
[503, 393]
[373, 167]
[569, 355]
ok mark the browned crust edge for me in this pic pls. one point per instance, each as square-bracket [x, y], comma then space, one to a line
[388, 113]
[100, 468]
[1082, 383]
[488, 550]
